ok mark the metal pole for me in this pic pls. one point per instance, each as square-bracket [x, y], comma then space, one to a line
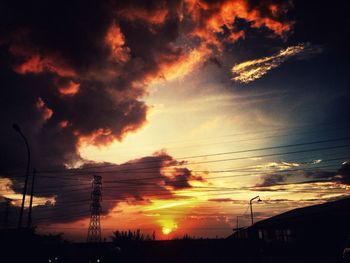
[29, 223]
[251, 207]
[18, 129]
[251, 211]
[7, 211]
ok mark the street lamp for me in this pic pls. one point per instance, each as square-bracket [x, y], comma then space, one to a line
[251, 207]
[18, 130]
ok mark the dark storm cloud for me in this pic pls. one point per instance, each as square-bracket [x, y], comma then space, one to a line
[180, 177]
[89, 62]
[74, 73]
[86, 64]
[319, 174]
[272, 179]
[136, 181]
[341, 176]
[47, 45]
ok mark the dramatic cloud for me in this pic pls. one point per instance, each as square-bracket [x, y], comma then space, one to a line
[69, 83]
[75, 74]
[67, 192]
[153, 15]
[184, 64]
[272, 179]
[302, 175]
[44, 110]
[116, 40]
[275, 172]
[273, 166]
[251, 70]
[31, 61]
[218, 17]
[343, 174]
[69, 88]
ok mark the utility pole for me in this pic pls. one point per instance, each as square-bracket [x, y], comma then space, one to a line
[237, 223]
[29, 222]
[18, 130]
[94, 231]
[7, 212]
[251, 207]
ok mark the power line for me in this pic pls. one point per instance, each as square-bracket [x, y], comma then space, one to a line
[226, 192]
[225, 153]
[210, 161]
[290, 128]
[110, 228]
[220, 192]
[231, 170]
[230, 176]
[79, 170]
[86, 213]
[134, 184]
[242, 140]
[251, 172]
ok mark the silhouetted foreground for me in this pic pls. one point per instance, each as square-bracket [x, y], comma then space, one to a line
[311, 234]
[24, 246]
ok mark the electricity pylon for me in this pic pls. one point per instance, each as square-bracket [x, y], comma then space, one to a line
[94, 232]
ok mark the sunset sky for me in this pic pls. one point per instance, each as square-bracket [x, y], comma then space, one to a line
[186, 108]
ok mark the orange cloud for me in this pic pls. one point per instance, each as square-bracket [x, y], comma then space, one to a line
[99, 137]
[104, 136]
[64, 124]
[135, 13]
[69, 89]
[234, 36]
[211, 18]
[171, 67]
[116, 41]
[277, 27]
[35, 63]
[45, 111]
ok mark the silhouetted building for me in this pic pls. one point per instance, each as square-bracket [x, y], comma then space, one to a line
[322, 224]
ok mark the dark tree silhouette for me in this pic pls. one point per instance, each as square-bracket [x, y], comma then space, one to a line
[127, 236]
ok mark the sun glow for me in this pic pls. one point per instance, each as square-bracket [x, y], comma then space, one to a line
[166, 230]
[169, 228]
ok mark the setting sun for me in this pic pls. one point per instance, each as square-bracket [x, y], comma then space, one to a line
[168, 227]
[166, 230]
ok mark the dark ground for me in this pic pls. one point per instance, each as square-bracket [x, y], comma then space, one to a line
[27, 247]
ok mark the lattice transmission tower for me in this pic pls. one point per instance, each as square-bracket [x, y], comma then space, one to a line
[94, 232]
